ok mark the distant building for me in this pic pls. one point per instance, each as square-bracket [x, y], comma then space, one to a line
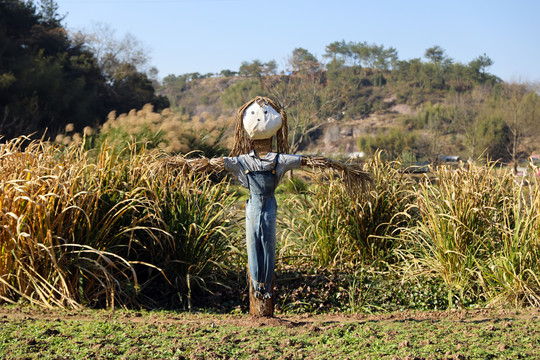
[449, 158]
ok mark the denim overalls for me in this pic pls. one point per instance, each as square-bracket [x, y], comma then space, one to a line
[261, 212]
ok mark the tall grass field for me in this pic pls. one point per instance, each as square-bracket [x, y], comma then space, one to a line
[116, 228]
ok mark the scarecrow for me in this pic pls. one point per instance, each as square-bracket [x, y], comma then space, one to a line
[260, 169]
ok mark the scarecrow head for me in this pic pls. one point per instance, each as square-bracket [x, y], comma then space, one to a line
[260, 119]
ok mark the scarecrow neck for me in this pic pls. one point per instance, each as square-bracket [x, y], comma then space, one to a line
[262, 147]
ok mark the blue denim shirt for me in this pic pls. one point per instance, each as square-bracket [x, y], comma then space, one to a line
[252, 162]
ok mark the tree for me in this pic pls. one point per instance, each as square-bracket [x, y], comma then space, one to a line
[493, 137]
[253, 68]
[228, 73]
[374, 56]
[256, 68]
[113, 53]
[478, 67]
[517, 106]
[302, 61]
[386, 59]
[48, 12]
[481, 63]
[435, 54]
[338, 50]
[361, 53]
[47, 81]
[241, 92]
[395, 142]
[304, 97]
[132, 90]
[466, 116]
[124, 62]
[437, 119]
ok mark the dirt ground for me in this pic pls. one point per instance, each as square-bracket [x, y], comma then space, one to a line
[290, 321]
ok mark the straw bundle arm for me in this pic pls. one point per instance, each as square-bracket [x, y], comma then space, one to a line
[196, 165]
[354, 177]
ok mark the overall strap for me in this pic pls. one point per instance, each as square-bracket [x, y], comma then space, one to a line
[274, 170]
[259, 181]
[276, 162]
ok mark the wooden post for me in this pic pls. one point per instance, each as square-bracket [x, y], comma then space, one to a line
[260, 307]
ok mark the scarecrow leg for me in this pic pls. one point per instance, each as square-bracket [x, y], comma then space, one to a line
[261, 249]
[260, 307]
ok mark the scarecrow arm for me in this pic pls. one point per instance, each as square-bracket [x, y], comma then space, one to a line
[355, 178]
[197, 165]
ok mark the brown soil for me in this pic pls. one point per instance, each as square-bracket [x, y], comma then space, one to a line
[290, 321]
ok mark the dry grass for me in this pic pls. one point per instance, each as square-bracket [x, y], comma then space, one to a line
[355, 178]
[136, 228]
[88, 227]
[477, 230]
[345, 222]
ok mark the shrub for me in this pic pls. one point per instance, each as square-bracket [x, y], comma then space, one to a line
[101, 229]
[328, 227]
[168, 131]
[455, 233]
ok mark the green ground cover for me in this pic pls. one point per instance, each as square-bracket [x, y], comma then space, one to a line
[32, 333]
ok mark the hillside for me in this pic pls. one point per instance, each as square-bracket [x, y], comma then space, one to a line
[198, 98]
[341, 137]
[364, 99]
[349, 111]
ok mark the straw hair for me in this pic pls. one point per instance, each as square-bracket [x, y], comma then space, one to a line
[243, 144]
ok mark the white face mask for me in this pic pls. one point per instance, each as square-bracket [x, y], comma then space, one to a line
[261, 122]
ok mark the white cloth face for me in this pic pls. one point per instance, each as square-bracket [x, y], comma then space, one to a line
[261, 122]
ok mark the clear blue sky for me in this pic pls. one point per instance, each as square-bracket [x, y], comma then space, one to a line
[204, 36]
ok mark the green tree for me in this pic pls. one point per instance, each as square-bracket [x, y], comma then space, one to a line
[481, 63]
[302, 61]
[47, 80]
[241, 92]
[373, 56]
[395, 143]
[493, 138]
[48, 12]
[361, 53]
[435, 54]
[338, 50]
[228, 73]
[256, 68]
[386, 58]
[437, 120]
[478, 67]
[348, 87]
[131, 89]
